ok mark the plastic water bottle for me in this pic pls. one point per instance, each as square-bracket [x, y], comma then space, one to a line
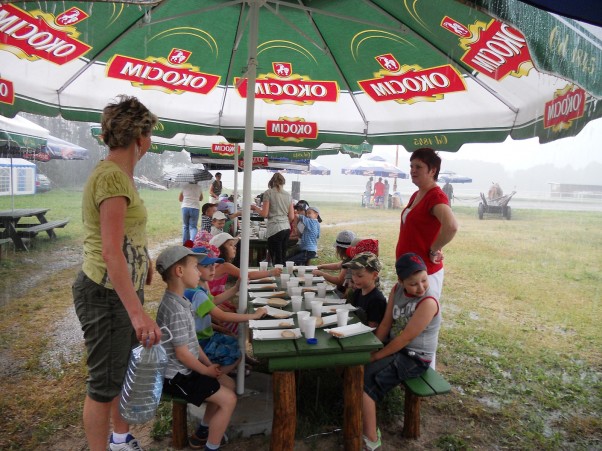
[143, 383]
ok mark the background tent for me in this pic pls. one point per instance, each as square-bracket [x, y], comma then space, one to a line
[17, 176]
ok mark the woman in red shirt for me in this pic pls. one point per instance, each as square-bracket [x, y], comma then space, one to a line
[427, 222]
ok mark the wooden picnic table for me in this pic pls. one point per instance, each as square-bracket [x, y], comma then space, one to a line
[12, 227]
[287, 356]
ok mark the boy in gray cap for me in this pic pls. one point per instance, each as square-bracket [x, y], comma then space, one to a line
[190, 374]
[409, 329]
[367, 297]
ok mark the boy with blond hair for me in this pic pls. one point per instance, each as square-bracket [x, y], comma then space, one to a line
[190, 374]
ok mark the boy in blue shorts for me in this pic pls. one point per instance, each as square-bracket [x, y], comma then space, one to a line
[190, 374]
[409, 329]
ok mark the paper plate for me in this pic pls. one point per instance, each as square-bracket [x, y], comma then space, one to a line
[278, 313]
[350, 330]
[271, 323]
[263, 287]
[263, 280]
[333, 308]
[286, 334]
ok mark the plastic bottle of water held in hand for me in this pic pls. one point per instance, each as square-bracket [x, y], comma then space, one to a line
[143, 383]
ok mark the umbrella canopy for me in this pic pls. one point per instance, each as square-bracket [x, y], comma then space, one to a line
[314, 169]
[58, 148]
[452, 177]
[374, 166]
[327, 70]
[20, 136]
[188, 175]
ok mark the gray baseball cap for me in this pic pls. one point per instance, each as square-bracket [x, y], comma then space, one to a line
[172, 255]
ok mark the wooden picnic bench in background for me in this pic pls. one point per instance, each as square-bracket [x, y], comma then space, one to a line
[12, 228]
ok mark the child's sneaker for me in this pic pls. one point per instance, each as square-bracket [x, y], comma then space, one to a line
[199, 438]
[372, 446]
[130, 444]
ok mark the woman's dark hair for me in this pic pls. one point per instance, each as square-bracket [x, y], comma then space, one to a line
[429, 157]
[124, 121]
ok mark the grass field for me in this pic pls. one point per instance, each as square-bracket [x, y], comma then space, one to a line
[520, 341]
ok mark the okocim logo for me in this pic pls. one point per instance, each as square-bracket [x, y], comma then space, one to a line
[37, 35]
[282, 86]
[160, 74]
[292, 129]
[568, 104]
[410, 84]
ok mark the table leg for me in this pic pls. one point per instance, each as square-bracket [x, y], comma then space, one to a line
[353, 388]
[10, 231]
[285, 411]
[42, 218]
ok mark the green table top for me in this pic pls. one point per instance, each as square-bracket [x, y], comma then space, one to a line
[287, 354]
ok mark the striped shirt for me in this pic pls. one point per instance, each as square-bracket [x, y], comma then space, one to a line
[175, 313]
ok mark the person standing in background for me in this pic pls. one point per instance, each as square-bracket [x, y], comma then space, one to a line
[368, 193]
[379, 193]
[190, 196]
[427, 222]
[108, 292]
[387, 203]
[216, 188]
[278, 208]
[448, 189]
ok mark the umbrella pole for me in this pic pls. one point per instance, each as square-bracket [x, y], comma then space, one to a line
[236, 219]
[246, 192]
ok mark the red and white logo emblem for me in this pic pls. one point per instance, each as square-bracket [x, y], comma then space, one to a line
[568, 104]
[282, 69]
[7, 92]
[71, 17]
[455, 27]
[291, 129]
[388, 62]
[178, 56]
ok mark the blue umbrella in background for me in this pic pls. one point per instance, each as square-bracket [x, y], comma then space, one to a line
[452, 177]
[374, 166]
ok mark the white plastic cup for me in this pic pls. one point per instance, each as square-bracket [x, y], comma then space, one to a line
[300, 271]
[316, 308]
[309, 297]
[284, 279]
[289, 266]
[263, 266]
[261, 234]
[342, 317]
[321, 290]
[279, 266]
[308, 280]
[296, 302]
[309, 326]
[301, 315]
[296, 291]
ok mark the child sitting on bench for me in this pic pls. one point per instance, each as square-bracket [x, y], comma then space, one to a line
[410, 329]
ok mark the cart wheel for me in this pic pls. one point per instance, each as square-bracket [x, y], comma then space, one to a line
[481, 210]
[508, 213]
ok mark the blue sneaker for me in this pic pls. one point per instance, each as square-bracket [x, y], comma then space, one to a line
[130, 444]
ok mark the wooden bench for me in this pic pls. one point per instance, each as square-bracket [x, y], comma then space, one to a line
[430, 383]
[179, 420]
[33, 230]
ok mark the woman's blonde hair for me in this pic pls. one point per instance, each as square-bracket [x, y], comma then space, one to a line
[277, 181]
[126, 120]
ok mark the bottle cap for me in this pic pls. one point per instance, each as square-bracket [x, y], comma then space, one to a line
[312, 341]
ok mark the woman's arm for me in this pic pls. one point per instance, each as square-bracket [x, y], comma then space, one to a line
[449, 227]
[112, 231]
[181, 196]
[291, 212]
[264, 211]
[421, 318]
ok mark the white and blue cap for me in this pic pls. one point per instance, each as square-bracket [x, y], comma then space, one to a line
[174, 254]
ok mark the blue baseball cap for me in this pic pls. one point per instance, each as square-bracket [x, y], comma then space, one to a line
[209, 259]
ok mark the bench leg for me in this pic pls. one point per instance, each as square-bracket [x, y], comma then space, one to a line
[411, 416]
[179, 425]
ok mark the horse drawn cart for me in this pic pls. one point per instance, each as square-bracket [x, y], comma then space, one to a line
[496, 206]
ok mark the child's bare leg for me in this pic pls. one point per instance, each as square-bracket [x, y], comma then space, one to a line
[219, 410]
[369, 417]
[227, 381]
[227, 369]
